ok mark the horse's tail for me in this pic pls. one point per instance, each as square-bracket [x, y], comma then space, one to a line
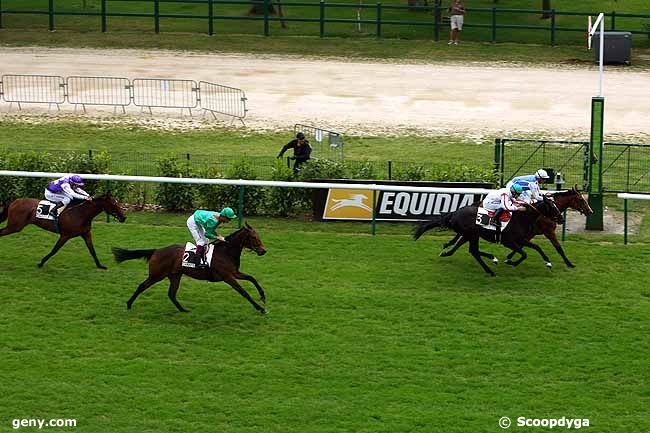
[122, 254]
[437, 221]
[4, 211]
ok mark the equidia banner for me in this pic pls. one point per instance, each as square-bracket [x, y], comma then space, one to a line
[357, 205]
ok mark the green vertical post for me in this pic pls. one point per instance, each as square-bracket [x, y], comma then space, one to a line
[595, 221]
[390, 169]
[322, 18]
[553, 27]
[564, 227]
[497, 154]
[625, 221]
[436, 23]
[0, 14]
[613, 20]
[156, 15]
[266, 17]
[210, 18]
[50, 13]
[494, 25]
[374, 212]
[627, 177]
[378, 20]
[241, 205]
[108, 188]
[103, 16]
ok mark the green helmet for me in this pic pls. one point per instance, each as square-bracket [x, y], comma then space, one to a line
[516, 188]
[228, 213]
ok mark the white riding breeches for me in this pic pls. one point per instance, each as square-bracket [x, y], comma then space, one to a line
[198, 232]
[57, 197]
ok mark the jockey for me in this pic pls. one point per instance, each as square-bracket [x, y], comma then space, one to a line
[502, 200]
[530, 185]
[203, 226]
[63, 190]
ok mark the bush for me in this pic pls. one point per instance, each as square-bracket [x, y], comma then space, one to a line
[411, 172]
[283, 201]
[174, 196]
[363, 170]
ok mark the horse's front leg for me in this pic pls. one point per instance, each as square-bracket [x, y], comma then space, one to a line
[516, 248]
[88, 238]
[260, 290]
[232, 282]
[451, 242]
[455, 248]
[558, 247]
[537, 248]
[62, 240]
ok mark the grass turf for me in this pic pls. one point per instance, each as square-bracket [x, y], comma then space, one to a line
[391, 339]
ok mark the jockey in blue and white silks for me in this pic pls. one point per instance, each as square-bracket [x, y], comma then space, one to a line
[62, 191]
[530, 185]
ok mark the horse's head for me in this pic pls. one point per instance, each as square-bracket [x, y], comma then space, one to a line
[112, 207]
[248, 238]
[579, 203]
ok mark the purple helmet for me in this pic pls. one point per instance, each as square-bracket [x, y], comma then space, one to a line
[77, 179]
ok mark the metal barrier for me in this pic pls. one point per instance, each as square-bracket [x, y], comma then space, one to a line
[152, 92]
[626, 197]
[330, 142]
[120, 92]
[216, 98]
[33, 89]
[99, 91]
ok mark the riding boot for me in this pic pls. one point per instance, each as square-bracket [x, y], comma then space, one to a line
[496, 219]
[55, 210]
[199, 257]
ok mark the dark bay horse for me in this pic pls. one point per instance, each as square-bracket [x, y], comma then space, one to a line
[570, 199]
[514, 237]
[167, 263]
[75, 220]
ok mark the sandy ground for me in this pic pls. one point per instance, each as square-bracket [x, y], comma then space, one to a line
[370, 97]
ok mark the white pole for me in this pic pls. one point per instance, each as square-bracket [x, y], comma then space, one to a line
[602, 52]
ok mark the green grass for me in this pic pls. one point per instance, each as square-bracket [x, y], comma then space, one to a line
[394, 339]
[342, 39]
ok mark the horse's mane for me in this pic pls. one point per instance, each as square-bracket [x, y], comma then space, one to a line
[233, 234]
[565, 193]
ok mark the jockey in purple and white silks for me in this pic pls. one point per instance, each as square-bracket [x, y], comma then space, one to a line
[62, 191]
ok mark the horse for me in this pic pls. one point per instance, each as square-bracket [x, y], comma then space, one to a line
[167, 263]
[514, 237]
[564, 200]
[75, 220]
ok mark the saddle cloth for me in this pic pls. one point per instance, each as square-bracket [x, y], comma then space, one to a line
[484, 217]
[43, 210]
[190, 252]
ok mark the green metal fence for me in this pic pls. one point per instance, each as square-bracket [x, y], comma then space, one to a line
[626, 166]
[323, 18]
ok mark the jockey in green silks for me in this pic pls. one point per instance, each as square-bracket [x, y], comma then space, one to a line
[203, 226]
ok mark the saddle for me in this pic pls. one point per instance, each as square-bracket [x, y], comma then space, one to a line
[485, 218]
[43, 210]
[189, 255]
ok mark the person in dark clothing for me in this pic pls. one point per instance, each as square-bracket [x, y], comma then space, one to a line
[301, 151]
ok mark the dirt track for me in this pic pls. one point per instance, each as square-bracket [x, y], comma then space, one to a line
[372, 97]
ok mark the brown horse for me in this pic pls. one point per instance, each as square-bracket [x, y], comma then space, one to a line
[570, 199]
[167, 263]
[75, 220]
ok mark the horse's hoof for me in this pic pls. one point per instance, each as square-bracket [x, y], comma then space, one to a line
[40, 265]
[495, 260]
[549, 265]
[507, 261]
[103, 268]
[128, 306]
[493, 274]
[264, 311]
[571, 265]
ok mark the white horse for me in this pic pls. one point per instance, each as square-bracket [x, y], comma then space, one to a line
[355, 200]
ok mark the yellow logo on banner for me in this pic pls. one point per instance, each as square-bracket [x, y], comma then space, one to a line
[348, 204]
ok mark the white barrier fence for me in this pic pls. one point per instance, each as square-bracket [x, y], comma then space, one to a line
[627, 196]
[244, 183]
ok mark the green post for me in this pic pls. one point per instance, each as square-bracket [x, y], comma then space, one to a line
[497, 154]
[625, 221]
[266, 17]
[553, 27]
[494, 25]
[241, 205]
[322, 18]
[564, 227]
[0, 14]
[613, 20]
[436, 23]
[595, 221]
[378, 20]
[103, 16]
[108, 188]
[156, 15]
[50, 13]
[374, 212]
[210, 18]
